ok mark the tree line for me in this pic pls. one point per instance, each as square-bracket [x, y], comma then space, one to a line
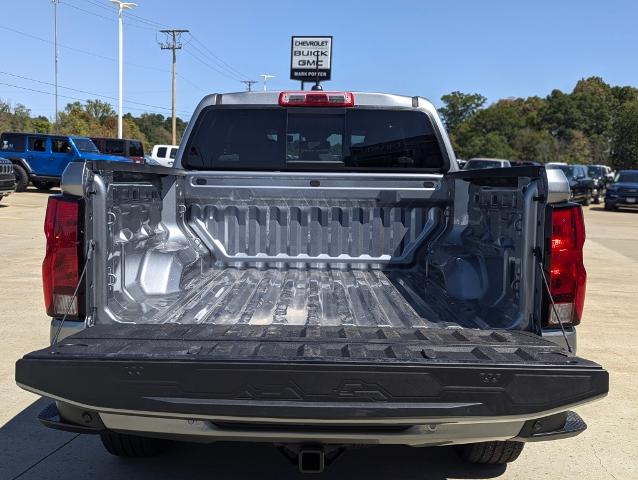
[93, 118]
[593, 124]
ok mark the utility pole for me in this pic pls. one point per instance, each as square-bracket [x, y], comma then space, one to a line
[55, 57]
[266, 77]
[173, 42]
[121, 6]
[249, 84]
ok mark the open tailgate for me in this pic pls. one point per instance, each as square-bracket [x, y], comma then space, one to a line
[280, 371]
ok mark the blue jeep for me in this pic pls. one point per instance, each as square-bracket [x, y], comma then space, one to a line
[41, 159]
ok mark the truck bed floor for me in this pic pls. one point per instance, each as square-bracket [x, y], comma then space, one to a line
[301, 297]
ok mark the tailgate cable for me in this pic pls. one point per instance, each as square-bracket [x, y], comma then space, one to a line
[89, 254]
[551, 299]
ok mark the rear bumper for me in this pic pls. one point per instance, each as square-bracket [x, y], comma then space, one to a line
[7, 185]
[553, 427]
[624, 199]
[236, 383]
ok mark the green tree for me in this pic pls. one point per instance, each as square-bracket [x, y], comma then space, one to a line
[624, 140]
[459, 107]
[41, 125]
[99, 110]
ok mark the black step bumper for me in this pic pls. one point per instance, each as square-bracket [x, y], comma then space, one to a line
[400, 375]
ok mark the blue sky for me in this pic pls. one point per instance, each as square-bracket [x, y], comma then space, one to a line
[495, 47]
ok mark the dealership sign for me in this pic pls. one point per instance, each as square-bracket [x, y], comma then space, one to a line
[311, 58]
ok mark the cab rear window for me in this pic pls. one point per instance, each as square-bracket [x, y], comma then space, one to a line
[313, 139]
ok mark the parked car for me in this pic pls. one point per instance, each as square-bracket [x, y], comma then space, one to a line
[479, 163]
[600, 174]
[316, 273]
[41, 159]
[121, 147]
[7, 178]
[624, 191]
[164, 154]
[583, 188]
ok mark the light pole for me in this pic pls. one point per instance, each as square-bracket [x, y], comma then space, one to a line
[55, 54]
[266, 77]
[121, 7]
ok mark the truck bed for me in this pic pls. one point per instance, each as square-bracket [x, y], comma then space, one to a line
[303, 297]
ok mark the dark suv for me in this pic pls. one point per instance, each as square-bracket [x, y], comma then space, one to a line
[624, 191]
[121, 147]
[581, 185]
[599, 174]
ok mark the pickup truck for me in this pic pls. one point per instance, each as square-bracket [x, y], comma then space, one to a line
[314, 272]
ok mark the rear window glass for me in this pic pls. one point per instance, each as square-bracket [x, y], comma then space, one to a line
[136, 149]
[85, 145]
[313, 139]
[37, 144]
[60, 145]
[13, 143]
[476, 164]
[161, 152]
[114, 147]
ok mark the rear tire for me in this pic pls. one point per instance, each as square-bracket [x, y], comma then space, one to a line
[22, 177]
[599, 198]
[491, 453]
[609, 207]
[42, 185]
[132, 446]
[587, 200]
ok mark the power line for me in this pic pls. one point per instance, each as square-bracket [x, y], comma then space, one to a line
[63, 96]
[110, 19]
[104, 57]
[153, 25]
[22, 77]
[232, 72]
[93, 54]
[228, 66]
[208, 65]
[225, 71]
[194, 85]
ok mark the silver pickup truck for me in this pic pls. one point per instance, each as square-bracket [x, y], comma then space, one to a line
[315, 272]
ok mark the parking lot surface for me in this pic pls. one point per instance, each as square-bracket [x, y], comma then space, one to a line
[606, 450]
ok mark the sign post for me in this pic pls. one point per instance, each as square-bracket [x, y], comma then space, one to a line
[311, 60]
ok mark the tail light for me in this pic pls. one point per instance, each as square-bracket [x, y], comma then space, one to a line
[567, 275]
[61, 265]
[138, 160]
[316, 99]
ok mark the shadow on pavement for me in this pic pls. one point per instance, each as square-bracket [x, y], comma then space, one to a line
[31, 451]
[620, 210]
[51, 191]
